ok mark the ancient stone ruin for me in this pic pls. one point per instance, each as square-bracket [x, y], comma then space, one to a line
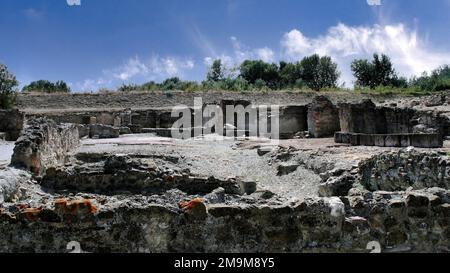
[344, 172]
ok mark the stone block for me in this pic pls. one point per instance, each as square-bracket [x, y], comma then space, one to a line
[103, 131]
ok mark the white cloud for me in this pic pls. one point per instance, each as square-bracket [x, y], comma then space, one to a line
[133, 67]
[136, 70]
[155, 68]
[266, 54]
[410, 55]
[241, 53]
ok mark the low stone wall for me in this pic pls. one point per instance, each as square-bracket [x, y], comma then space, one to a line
[401, 222]
[396, 171]
[366, 118]
[420, 140]
[44, 144]
[119, 173]
[367, 125]
[11, 123]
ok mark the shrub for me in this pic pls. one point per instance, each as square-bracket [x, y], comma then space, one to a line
[8, 84]
[45, 86]
[128, 87]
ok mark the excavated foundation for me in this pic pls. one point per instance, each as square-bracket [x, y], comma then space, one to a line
[112, 191]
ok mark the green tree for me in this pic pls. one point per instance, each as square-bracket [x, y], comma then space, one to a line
[290, 73]
[216, 72]
[253, 70]
[171, 84]
[45, 86]
[8, 83]
[379, 72]
[319, 72]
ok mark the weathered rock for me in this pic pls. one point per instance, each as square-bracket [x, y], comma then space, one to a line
[103, 131]
[11, 123]
[285, 168]
[10, 180]
[44, 144]
[323, 117]
[394, 171]
[436, 100]
[336, 186]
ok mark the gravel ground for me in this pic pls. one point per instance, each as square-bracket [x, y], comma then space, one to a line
[231, 158]
[221, 159]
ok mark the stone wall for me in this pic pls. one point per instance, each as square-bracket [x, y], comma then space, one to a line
[366, 118]
[419, 140]
[415, 221]
[396, 171]
[44, 144]
[136, 100]
[323, 118]
[292, 119]
[11, 123]
[365, 124]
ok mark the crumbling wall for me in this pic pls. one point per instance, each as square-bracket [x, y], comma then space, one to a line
[415, 221]
[361, 118]
[323, 118]
[365, 124]
[396, 171]
[119, 173]
[11, 123]
[44, 144]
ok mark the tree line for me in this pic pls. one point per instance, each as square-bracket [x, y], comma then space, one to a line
[312, 72]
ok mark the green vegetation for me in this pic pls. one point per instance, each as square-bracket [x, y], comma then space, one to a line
[379, 72]
[216, 72]
[439, 80]
[8, 84]
[44, 86]
[312, 73]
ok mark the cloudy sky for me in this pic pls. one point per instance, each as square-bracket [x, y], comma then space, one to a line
[104, 43]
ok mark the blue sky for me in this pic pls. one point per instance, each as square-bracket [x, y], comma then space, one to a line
[103, 43]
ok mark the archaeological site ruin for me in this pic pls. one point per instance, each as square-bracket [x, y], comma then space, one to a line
[344, 171]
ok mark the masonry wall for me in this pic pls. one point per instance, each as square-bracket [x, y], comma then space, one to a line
[292, 118]
[366, 118]
[323, 119]
[43, 144]
[404, 222]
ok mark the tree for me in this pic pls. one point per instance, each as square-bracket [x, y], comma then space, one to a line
[439, 80]
[379, 72]
[251, 71]
[8, 83]
[45, 86]
[290, 73]
[171, 84]
[216, 72]
[319, 72]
